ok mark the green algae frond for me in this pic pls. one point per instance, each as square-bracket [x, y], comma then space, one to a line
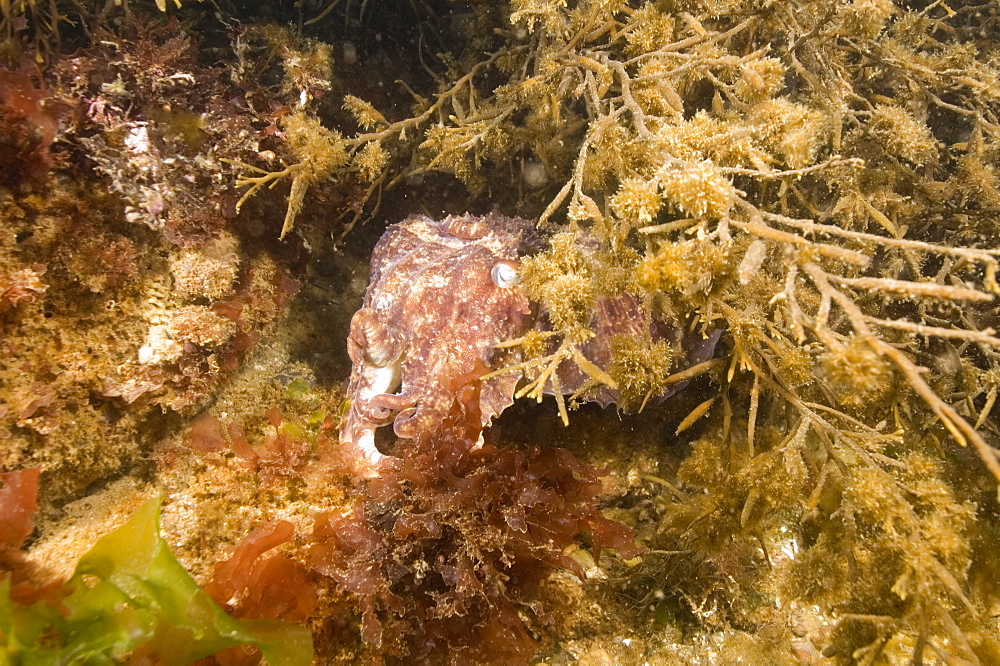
[129, 592]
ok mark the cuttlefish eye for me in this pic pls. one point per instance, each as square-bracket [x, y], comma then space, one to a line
[505, 274]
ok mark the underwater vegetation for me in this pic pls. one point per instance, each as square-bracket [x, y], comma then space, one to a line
[128, 597]
[191, 196]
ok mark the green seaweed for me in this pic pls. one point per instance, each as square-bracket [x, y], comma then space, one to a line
[128, 591]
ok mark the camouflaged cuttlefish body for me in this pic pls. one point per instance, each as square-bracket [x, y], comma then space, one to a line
[442, 294]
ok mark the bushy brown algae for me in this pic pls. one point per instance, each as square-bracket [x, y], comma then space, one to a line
[794, 173]
[816, 180]
[802, 176]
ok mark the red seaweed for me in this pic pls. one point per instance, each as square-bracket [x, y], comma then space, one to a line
[17, 504]
[445, 550]
[275, 588]
[206, 434]
[28, 125]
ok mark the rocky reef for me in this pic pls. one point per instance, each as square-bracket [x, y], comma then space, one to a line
[788, 209]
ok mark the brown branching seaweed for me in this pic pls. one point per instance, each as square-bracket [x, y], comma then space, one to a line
[819, 181]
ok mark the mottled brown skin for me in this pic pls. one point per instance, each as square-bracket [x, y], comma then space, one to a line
[433, 312]
[442, 295]
[614, 315]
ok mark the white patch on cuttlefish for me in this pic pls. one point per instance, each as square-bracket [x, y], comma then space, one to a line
[366, 442]
[380, 380]
[377, 381]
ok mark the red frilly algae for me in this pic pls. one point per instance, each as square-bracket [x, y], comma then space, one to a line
[439, 559]
[445, 550]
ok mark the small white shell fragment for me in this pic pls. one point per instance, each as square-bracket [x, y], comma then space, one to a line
[159, 347]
